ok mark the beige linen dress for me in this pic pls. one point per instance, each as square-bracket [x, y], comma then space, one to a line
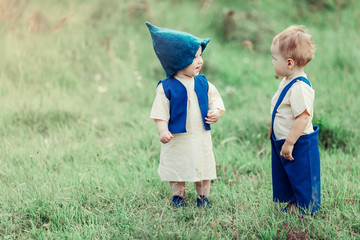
[189, 156]
[299, 98]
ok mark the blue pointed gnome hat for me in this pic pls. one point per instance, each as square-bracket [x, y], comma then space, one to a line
[175, 49]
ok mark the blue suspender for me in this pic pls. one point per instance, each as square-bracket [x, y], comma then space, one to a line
[280, 99]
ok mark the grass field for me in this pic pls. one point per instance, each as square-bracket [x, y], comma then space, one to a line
[79, 154]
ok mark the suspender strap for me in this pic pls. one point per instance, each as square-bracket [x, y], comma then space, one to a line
[281, 97]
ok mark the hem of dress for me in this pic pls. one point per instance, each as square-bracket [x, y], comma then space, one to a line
[190, 181]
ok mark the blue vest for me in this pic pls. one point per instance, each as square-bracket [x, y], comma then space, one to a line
[176, 92]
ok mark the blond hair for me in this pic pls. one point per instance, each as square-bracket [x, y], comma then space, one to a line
[296, 43]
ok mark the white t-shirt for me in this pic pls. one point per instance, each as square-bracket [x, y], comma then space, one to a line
[299, 98]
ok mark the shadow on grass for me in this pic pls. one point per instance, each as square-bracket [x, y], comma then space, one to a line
[336, 137]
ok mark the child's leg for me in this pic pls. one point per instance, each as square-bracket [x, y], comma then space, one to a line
[203, 188]
[203, 191]
[282, 190]
[178, 189]
[304, 174]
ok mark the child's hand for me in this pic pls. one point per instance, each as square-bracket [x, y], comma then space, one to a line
[165, 136]
[286, 151]
[212, 116]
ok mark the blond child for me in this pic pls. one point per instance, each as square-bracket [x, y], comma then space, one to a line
[294, 140]
[185, 106]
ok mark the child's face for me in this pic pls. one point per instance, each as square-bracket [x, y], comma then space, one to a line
[193, 69]
[279, 62]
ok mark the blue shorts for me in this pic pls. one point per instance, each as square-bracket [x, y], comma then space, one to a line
[299, 180]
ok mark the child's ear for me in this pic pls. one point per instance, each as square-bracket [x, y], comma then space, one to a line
[290, 63]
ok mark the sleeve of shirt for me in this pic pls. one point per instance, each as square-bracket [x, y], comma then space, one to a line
[215, 100]
[301, 98]
[161, 105]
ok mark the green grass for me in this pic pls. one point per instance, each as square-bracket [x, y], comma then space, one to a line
[79, 154]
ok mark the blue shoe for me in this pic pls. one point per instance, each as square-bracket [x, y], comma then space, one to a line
[178, 201]
[203, 201]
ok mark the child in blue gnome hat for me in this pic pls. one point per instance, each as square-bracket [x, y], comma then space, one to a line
[294, 140]
[185, 106]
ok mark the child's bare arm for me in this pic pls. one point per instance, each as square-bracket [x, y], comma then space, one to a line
[164, 134]
[296, 131]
